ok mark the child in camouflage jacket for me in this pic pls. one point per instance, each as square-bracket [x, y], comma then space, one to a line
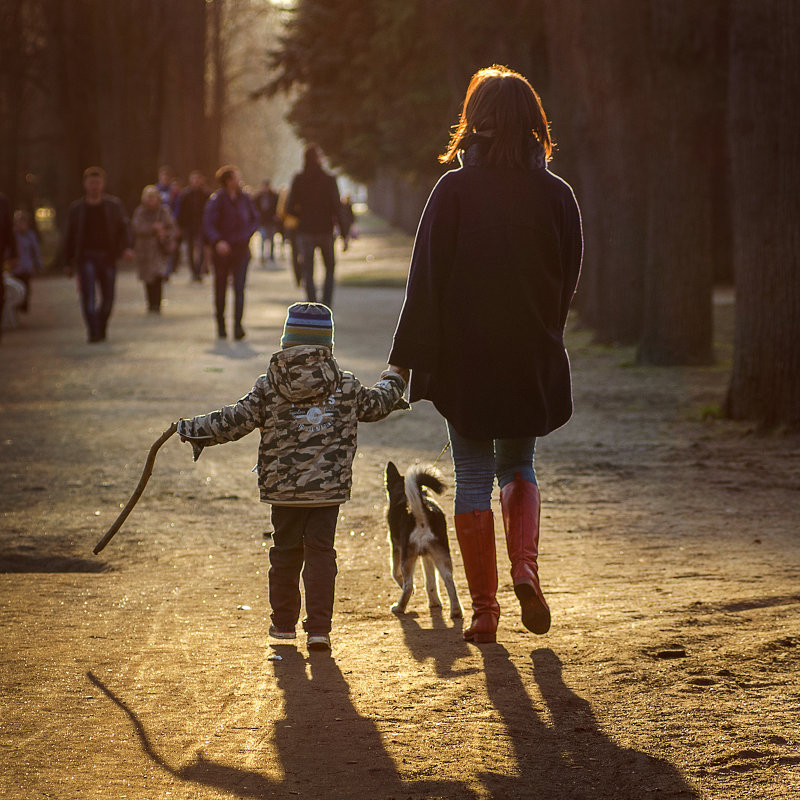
[308, 411]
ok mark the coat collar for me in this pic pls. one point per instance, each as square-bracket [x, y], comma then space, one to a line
[477, 144]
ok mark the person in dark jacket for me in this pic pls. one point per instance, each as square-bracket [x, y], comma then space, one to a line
[97, 236]
[191, 204]
[229, 221]
[266, 203]
[314, 201]
[494, 268]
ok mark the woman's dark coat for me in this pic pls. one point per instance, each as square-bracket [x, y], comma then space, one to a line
[495, 265]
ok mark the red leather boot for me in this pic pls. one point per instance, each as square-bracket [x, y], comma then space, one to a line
[475, 532]
[521, 504]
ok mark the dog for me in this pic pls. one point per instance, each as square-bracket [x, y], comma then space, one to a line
[417, 528]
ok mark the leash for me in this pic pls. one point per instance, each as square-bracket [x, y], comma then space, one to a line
[444, 450]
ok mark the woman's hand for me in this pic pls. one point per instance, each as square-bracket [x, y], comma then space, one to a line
[401, 371]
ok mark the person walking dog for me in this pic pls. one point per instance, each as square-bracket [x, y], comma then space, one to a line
[493, 271]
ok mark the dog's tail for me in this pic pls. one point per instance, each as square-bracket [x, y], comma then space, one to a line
[418, 477]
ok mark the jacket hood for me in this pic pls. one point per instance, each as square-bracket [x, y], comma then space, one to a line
[300, 374]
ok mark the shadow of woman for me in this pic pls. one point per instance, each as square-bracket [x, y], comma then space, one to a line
[327, 749]
[444, 644]
[571, 757]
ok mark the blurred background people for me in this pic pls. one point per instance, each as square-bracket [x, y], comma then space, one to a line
[154, 237]
[314, 200]
[97, 235]
[29, 258]
[266, 203]
[8, 244]
[191, 203]
[229, 221]
[163, 184]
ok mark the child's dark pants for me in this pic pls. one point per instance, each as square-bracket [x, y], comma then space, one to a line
[303, 541]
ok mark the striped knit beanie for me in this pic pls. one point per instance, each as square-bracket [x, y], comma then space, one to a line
[309, 324]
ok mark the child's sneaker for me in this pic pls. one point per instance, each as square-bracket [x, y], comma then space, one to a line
[276, 633]
[319, 641]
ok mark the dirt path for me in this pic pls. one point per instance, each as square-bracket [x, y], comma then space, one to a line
[670, 556]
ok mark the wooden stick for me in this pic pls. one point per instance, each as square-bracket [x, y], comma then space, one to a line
[146, 472]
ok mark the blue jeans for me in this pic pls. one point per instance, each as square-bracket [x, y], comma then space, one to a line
[477, 461]
[308, 244]
[231, 267]
[96, 271]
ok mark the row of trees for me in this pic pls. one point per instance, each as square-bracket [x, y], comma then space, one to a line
[676, 124]
[127, 85]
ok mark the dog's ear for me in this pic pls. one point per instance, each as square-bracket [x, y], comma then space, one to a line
[392, 473]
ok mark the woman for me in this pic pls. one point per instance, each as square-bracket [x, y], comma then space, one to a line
[494, 268]
[154, 234]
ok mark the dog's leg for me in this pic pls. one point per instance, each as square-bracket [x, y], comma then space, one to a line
[430, 581]
[396, 564]
[445, 566]
[409, 562]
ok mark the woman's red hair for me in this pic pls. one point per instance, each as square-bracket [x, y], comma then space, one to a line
[501, 105]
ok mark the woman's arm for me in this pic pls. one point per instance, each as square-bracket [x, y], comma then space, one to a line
[571, 253]
[380, 400]
[417, 337]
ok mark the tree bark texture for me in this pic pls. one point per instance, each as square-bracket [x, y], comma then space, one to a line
[765, 120]
[117, 84]
[596, 53]
[677, 308]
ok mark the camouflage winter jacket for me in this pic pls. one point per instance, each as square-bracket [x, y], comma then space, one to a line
[308, 411]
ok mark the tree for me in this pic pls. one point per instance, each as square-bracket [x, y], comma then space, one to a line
[21, 73]
[764, 119]
[597, 53]
[377, 85]
[85, 81]
[684, 114]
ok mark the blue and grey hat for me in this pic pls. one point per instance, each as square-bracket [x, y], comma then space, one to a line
[308, 324]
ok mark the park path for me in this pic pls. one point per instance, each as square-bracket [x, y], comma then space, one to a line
[669, 553]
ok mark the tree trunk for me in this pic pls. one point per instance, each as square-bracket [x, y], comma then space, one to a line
[765, 119]
[217, 90]
[677, 321]
[597, 57]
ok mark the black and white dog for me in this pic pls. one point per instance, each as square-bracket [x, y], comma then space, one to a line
[417, 528]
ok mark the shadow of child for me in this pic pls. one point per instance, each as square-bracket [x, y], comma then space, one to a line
[327, 748]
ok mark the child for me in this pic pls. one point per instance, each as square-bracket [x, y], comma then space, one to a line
[308, 411]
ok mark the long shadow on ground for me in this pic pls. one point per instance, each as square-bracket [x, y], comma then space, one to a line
[571, 757]
[327, 750]
[442, 643]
